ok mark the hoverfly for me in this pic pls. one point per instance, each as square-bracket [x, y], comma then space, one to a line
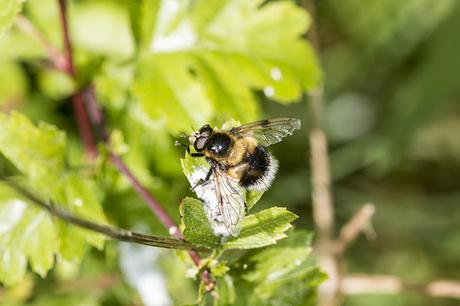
[238, 161]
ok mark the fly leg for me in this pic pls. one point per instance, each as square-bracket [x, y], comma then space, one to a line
[205, 180]
[187, 148]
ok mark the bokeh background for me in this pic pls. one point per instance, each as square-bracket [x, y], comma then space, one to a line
[392, 116]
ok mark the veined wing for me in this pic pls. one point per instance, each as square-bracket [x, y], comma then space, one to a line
[268, 132]
[230, 200]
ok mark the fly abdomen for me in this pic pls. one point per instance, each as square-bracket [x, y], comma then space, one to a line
[261, 171]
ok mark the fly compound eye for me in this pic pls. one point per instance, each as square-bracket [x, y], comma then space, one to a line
[206, 130]
[200, 143]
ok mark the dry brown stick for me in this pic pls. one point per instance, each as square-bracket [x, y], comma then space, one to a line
[323, 208]
[330, 252]
[360, 222]
[390, 284]
[88, 284]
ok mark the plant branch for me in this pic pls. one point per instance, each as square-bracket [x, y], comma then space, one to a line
[68, 51]
[323, 207]
[80, 113]
[330, 252]
[56, 57]
[112, 232]
[98, 121]
[165, 219]
[91, 284]
[87, 97]
[360, 222]
[390, 284]
[323, 210]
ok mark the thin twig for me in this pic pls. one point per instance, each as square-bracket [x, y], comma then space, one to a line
[88, 284]
[390, 284]
[70, 67]
[56, 57]
[360, 222]
[323, 208]
[112, 232]
[323, 211]
[165, 219]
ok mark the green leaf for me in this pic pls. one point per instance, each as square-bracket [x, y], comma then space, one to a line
[280, 275]
[262, 229]
[13, 82]
[26, 233]
[56, 84]
[204, 57]
[8, 11]
[81, 200]
[280, 260]
[298, 288]
[218, 268]
[167, 91]
[252, 197]
[35, 151]
[143, 21]
[197, 229]
[112, 21]
[226, 291]
[38, 152]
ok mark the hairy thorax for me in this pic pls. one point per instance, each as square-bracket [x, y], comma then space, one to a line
[237, 153]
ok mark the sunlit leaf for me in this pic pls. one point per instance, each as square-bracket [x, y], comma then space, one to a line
[112, 22]
[26, 234]
[197, 228]
[8, 12]
[13, 83]
[56, 84]
[262, 229]
[39, 153]
[30, 148]
[226, 291]
[282, 274]
[211, 56]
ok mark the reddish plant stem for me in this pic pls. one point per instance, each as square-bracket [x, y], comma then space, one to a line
[58, 60]
[87, 98]
[161, 214]
[84, 127]
[148, 198]
[98, 121]
[81, 117]
[68, 51]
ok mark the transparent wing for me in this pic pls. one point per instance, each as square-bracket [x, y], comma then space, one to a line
[230, 200]
[268, 132]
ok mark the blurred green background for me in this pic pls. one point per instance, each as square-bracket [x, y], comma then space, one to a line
[392, 88]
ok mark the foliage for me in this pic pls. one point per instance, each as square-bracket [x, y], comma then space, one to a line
[31, 233]
[8, 12]
[392, 92]
[193, 62]
[157, 67]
